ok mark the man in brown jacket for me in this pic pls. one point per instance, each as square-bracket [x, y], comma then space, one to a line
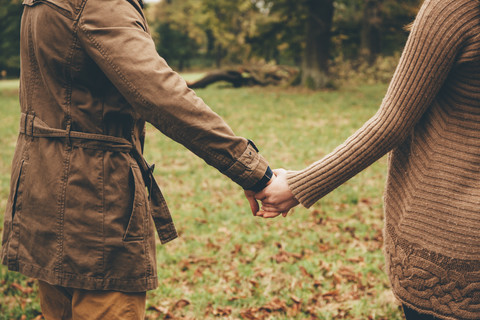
[78, 217]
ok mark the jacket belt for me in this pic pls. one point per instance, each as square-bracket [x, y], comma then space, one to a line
[32, 126]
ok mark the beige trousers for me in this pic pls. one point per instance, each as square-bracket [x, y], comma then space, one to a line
[59, 303]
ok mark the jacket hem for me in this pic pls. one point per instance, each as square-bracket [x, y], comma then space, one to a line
[167, 233]
[69, 280]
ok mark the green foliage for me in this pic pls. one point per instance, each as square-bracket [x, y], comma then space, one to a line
[352, 18]
[276, 31]
[10, 13]
[352, 72]
[176, 31]
[244, 30]
[175, 45]
[216, 29]
[325, 262]
[190, 33]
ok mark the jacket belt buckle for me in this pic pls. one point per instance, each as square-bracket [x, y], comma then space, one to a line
[150, 180]
[29, 124]
[151, 168]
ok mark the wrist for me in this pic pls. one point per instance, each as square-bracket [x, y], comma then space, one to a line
[263, 182]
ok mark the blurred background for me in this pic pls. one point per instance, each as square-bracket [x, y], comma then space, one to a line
[324, 39]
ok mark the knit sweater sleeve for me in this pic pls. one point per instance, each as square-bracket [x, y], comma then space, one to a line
[436, 38]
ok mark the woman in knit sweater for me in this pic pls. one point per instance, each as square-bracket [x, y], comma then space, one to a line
[429, 121]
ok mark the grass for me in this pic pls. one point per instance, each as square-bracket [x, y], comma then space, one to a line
[321, 263]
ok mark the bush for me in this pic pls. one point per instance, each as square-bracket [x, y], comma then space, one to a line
[352, 72]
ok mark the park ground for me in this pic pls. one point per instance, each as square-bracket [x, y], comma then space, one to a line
[322, 263]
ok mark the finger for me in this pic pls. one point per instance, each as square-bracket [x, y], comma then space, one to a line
[254, 207]
[270, 214]
[268, 201]
[274, 208]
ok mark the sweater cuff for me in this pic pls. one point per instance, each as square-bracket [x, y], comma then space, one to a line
[299, 187]
[249, 169]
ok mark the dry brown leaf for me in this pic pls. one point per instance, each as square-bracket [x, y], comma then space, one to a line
[331, 294]
[22, 289]
[180, 304]
[275, 305]
[222, 311]
[237, 249]
[348, 274]
[305, 272]
[324, 247]
[295, 299]
[159, 309]
[254, 283]
[250, 314]
[212, 246]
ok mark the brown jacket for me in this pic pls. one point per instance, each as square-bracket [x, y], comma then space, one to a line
[78, 214]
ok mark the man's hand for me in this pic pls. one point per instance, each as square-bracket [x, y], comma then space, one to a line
[276, 198]
[250, 195]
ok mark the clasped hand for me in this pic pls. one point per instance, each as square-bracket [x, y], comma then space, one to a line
[277, 198]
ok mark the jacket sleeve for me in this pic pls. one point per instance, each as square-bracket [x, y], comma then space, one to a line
[115, 35]
[432, 47]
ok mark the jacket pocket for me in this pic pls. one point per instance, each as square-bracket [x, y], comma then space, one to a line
[12, 200]
[138, 218]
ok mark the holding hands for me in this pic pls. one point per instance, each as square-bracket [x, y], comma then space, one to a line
[277, 198]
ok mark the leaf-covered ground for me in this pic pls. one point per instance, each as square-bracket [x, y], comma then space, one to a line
[321, 263]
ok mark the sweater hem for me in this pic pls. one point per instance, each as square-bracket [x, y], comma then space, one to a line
[422, 311]
[429, 282]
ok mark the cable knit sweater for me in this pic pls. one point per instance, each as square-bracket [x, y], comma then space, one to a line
[430, 121]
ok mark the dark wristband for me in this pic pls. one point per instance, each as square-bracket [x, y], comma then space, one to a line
[262, 183]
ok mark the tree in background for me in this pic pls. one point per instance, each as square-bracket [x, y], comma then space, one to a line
[365, 29]
[217, 28]
[10, 15]
[176, 31]
[316, 54]
[306, 33]
[229, 23]
[299, 30]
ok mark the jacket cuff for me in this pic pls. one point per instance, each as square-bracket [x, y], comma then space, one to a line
[262, 183]
[249, 169]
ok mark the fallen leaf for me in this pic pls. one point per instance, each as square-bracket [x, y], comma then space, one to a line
[222, 311]
[22, 289]
[305, 272]
[180, 304]
[275, 305]
[295, 299]
[250, 314]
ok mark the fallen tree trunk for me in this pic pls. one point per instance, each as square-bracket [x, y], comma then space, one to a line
[232, 76]
[249, 76]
